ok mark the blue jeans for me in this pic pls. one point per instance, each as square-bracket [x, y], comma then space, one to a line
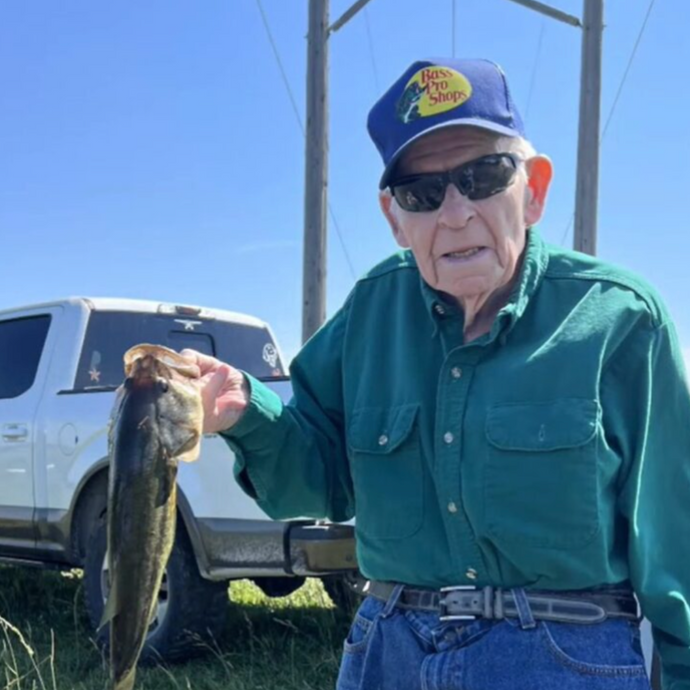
[389, 648]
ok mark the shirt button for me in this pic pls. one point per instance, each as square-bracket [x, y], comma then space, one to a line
[456, 372]
[448, 437]
[452, 508]
[439, 309]
[471, 574]
[383, 439]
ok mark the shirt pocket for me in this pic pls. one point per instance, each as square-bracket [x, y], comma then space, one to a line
[541, 481]
[386, 461]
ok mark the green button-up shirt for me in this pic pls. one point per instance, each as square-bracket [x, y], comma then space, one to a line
[552, 452]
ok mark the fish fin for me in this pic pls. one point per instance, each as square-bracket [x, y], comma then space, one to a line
[126, 682]
[189, 450]
[166, 484]
[111, 608]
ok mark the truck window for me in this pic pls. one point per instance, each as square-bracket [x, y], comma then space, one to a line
[179, 340]
[21, 346]
[110, 334]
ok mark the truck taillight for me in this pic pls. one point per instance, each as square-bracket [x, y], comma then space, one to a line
[179, 309]
[187, 311]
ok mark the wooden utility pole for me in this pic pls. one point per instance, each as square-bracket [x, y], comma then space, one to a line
[587, 190]
[316, 163]
[587, 193]
[316, 170]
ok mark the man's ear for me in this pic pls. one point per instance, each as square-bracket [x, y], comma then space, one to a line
[539, 175]
[386, 201]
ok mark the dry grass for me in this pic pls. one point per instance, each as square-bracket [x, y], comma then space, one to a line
[45, 642]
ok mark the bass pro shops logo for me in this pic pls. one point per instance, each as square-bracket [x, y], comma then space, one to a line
[431, 91]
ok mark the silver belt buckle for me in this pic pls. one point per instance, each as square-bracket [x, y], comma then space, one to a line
[445, 616]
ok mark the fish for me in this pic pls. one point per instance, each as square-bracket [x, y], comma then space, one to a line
[156, 423]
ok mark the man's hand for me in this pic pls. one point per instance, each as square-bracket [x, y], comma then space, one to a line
[224, 391]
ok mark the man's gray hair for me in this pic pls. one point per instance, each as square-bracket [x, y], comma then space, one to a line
[518, 145]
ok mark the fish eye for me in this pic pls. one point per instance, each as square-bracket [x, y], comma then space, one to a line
[163, 385]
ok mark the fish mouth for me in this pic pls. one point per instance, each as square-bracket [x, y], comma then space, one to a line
[160, 360]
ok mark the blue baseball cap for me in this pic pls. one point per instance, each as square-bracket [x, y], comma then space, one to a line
[436, 93]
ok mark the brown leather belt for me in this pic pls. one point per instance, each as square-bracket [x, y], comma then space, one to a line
[494, 603]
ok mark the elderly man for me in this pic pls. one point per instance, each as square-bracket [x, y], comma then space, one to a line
[504, 418]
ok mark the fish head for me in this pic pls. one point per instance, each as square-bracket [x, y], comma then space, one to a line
[169, 382]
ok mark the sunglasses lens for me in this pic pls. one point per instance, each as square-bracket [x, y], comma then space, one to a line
[478, 179]
[421, 194]
[485, 177]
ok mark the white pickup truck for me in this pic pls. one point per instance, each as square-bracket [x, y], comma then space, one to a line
[60, 363]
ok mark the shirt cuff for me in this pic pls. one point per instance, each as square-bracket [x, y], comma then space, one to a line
[252, 433]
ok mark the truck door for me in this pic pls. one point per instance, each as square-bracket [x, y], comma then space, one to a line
[22, 374]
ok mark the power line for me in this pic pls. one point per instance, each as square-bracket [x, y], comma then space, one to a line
[567, 228]
[280, 66]
[627, 69]
[372, 55]
[291, 95]
[452, 29]
[618, 93]
[534, 70]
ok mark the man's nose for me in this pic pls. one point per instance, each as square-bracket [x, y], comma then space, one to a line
[457, 210]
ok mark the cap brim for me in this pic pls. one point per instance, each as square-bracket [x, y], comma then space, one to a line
[468, 122]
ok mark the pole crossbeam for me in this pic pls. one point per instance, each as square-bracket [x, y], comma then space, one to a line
[550, 12]
[347, 15]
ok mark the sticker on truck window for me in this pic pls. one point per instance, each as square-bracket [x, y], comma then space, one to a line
[94, 369]
[270, 355]
[188, 325]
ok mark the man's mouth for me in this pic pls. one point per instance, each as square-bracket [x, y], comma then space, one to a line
[465, 254]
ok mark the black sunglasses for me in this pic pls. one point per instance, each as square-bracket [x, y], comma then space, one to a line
[477, 179]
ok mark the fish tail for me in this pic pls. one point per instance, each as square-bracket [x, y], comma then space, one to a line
[124, 683]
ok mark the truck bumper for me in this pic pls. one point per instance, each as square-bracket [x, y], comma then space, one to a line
[230, 549]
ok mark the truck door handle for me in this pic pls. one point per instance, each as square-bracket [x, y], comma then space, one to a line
[15, 432]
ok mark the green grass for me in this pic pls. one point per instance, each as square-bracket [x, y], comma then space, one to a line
[293, 643]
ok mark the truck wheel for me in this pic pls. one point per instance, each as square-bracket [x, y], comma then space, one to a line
[341, 594]
[191, 610]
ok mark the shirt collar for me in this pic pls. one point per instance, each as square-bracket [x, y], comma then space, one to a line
[535, 261]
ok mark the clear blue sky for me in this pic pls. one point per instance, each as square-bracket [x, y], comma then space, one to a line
[150, 149]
